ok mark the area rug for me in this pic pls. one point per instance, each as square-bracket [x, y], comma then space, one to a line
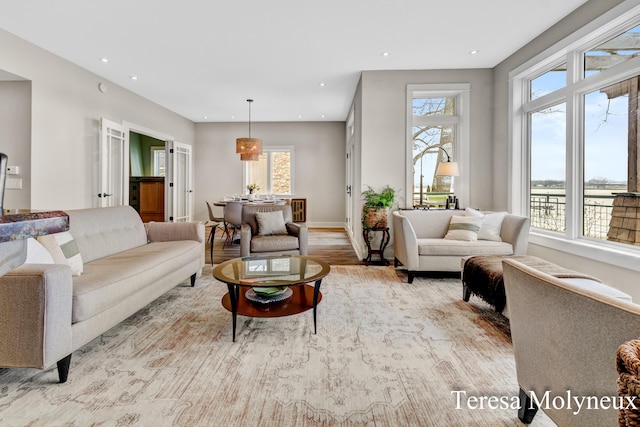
[386, 353]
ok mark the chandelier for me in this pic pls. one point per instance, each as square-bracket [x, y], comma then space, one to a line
[249, 148]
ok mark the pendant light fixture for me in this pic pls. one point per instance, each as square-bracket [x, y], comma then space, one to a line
[249, 148]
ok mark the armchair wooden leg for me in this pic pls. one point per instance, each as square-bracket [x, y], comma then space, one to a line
[193, 280]
[63, 369]
[412, 274]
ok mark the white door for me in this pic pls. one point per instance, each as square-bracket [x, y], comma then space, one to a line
[349, 173]
[180, 182]
[113, 183]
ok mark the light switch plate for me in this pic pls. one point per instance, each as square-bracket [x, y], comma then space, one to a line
[13, 170]
[13, 183]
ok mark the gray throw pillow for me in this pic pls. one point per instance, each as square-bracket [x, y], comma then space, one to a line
[270, 223]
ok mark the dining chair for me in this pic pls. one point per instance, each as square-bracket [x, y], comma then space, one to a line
[233, 220]
[214, 222]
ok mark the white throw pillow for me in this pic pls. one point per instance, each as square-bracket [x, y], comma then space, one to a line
[464, 228]
[64, 250]
[491, 226]
[36, 253]
[270, 223]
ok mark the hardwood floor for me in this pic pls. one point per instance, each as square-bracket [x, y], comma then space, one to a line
[331, 245]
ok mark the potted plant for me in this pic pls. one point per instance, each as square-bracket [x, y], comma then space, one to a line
[376, 203]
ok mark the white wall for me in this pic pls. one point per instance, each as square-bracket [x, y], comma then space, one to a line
[382, 142]
[623, 279]
[66, 108]
[319, 163]
[15, 138]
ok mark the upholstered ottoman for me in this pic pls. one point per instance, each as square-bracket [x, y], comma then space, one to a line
[482, 277]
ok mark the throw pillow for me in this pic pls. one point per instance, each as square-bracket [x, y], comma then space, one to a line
[464, 228]
[270, 223]
[64, 250]
[36, 253]
[491, 226]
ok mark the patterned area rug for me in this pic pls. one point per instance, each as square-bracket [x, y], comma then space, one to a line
[387, 353]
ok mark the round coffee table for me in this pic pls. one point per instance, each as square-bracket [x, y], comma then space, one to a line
[289, 272]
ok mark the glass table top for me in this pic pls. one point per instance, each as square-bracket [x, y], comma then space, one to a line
[283, 270]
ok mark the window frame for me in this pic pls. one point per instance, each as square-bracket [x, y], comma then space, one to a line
[273, 149]
[461, 91]
[570, 50]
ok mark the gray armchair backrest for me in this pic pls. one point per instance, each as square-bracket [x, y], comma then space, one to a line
[249, 214]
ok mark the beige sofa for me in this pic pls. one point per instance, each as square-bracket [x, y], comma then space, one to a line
[46, 313]
[565, 335]
[420, 245]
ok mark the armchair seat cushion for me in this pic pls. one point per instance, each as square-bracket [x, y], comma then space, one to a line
[275, 243]
[463, 248]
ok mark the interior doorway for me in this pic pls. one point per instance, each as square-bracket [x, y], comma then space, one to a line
[147, 175]
[162, 167]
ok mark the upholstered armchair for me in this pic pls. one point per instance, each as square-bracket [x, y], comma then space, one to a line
[270, 230]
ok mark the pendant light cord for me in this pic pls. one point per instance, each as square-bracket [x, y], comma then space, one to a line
[249, 101]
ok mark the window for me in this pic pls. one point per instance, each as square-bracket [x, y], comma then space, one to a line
[273, 172]
[158, 159]
[575, 144]
[548, 160]
[437, 130]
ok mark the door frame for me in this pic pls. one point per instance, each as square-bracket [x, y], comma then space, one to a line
[142, 130]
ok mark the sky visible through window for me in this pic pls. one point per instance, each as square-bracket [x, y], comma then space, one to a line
[605, 135]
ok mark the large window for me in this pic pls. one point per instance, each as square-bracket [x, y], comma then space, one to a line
[437, 132]
[272, 172]
[575, 133]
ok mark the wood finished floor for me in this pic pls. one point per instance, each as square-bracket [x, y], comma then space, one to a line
[331, 245]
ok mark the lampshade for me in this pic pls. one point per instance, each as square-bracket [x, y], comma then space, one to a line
[249, 148]
[448, 169]
[249, 157]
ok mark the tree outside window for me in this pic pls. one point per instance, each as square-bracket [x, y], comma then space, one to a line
[433, 132]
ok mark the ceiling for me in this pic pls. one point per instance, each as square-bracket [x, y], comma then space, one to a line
[299, 60]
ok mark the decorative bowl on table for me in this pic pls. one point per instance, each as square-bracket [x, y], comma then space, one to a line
[269, 291]
[268, 294]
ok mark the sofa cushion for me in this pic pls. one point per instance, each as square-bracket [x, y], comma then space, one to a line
[444, 247]
[64, 250]
[279, 243]
[110, 280]
[106, 231]
[464, 228]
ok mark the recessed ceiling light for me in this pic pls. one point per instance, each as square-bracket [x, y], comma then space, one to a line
[134, 77]
[233, 117]
[323, 84]
[473, 52]
[299, 116]
[205, 117]
[322, 116]
[385, 54]
[104, 59]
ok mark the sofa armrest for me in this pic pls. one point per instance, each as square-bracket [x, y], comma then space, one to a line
[245, 239]
[171, 231]
[405, 245]
[301, 231]
[35, 315]
[515, 230]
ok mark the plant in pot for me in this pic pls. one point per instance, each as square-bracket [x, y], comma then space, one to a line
[376, 204]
